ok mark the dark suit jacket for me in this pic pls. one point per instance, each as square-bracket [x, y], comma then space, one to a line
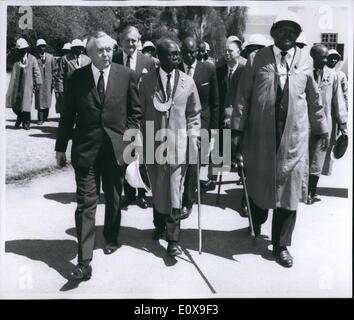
[228, 97]
[120, 110]
[207, 86]
[142, 62]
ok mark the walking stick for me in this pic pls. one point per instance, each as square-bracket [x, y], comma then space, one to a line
[240, 165]
[199, 213]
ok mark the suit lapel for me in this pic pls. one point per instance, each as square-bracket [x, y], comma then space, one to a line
[92, 86]
[112, 79]
[139, 63]
[180, 85]
[197, 70]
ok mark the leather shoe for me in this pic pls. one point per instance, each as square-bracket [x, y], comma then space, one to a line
[17, 124]
[284, 257]
[142, 202]
[158, 234]
[127, 201]
[39, 122]
[173, 249]
[309, 200]
[316, 198]
[185, 213]
[239, 182]
[208, 186]
[110, 248]
[26, 126]
[82, 272]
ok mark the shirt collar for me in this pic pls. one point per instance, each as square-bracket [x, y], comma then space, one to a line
[96, 71]
[290, 52]
[132, 56]
[192, 66]
[234, 67]
[163, 73]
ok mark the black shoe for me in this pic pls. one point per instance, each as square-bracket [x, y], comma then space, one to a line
[208, 186]
[316, 198]
[185, 213]
[158, 234]
[142, 202]
[309, 200]
[173, 249]
[284, 257]
[17, 124]
[26, 125]
[110, 248]
[239, 182]
[127, 201]
[39, 122]
[82, 272]
[256, 228]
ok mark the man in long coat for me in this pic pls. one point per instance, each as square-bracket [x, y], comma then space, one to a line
[75, 59]
[170, 101]
[276, 100]
[43, 96]
[25, 77]
[333, 102]
[133, 59]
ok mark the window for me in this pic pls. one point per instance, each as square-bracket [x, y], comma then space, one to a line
[329, 38]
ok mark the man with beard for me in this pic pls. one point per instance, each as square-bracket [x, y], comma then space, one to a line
[276, 100]
[170, 102]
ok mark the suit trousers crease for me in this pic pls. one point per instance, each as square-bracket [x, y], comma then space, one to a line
[88, 194]
[283, 223]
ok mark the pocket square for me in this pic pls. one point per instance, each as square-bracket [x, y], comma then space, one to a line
[205, 84]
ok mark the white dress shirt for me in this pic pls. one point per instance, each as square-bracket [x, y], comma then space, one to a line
[133, 58]
[163, 76]
[282, 70]
[192, 66]
[96, 74]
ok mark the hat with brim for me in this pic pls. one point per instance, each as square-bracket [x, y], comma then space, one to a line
[334, 52]
[41, 42]
[21, 43]
[340, 147]
[136, 175]
[148, 44]
[256, 39]
[287, 17]
[66, 46]
[234, 39]
[77, 43]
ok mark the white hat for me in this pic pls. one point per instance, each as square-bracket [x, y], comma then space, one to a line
[77, 43]
[302, 39]
[334, 52]
[115, 42]
[133, 175]
[287, 16]
[148, 44]
[21, 43]
[84, 42]
[66, 46]
[139, 46]
[257, 39]
[234, 39]
[207, 47]
[41, 42]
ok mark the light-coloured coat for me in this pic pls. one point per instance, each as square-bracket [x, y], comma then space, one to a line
[274, 177]
[167, 179]
[333, 102]
[31, 76]
[44, 98]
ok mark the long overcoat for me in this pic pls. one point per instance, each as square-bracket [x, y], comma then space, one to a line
[19, 95]
[44, 98]
[167, 178]
[274, 176]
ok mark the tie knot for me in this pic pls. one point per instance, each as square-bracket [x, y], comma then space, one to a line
[169, 76]
[283, 53]
[101, 72]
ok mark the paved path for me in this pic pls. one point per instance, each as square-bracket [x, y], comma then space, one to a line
[41, 248]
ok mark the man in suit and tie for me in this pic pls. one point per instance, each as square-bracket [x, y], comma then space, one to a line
[132, 58]
[75, 59]
[228, 77]
[100, 114]
[204, 76]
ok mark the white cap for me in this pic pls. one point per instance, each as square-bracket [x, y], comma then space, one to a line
[234, 39]
[335, 52]
[66, 46]
[133, 176]
[41, 42]
[287, 16]
[77, 43]
[302, 39]
[115, 42]
[207, 47]
[148, 44]
[21, 43]
[139, 46]
[257, 39]
[84, 42]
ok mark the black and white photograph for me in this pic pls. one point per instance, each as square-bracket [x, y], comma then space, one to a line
[176, 150]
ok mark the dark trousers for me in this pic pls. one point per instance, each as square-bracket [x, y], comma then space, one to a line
[190, 186]
[283, 223]
[171, 223]
[43, 114]
[87, 194]
[130, 192]
[23, 117]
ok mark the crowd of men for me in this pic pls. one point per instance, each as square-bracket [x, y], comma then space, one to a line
[283, 106]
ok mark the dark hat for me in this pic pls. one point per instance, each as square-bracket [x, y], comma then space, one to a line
[340, 147]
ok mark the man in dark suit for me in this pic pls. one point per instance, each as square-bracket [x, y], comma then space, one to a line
[101, 114]
[228, 76]
[204, 76]
[141, 64]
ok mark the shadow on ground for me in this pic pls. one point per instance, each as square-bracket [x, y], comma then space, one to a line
[333, 192]
[58, 254]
